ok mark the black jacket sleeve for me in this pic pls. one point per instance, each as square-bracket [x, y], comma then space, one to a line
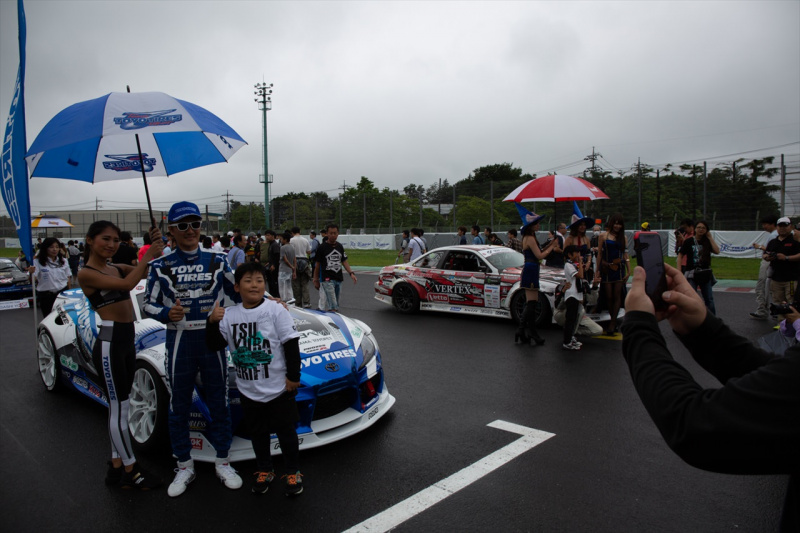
[291, 351]
[751, 425]
[214, 339]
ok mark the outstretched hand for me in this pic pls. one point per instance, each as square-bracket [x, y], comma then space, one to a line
[686, 310]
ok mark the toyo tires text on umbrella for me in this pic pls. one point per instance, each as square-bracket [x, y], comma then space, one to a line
[555, 188]
[43, 221]
[127, 135]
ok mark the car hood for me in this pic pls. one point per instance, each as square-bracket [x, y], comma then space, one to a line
[13, 276]
[330, 347]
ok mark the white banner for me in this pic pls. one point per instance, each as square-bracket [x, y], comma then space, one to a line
[733, 243]
[14, 304]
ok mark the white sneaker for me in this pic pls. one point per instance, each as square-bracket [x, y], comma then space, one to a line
[570, 346]
[576, 341]
[227, 474]
[184, 475]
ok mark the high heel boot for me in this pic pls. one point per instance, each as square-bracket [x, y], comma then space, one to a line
[530, 323]
[519, 336]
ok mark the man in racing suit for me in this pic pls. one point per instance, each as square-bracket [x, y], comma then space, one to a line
[182, 289]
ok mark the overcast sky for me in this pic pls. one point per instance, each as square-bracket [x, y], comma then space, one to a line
[414, 92]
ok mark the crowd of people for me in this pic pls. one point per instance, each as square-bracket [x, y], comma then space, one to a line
[748, 425]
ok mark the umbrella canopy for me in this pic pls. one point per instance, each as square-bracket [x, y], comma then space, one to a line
[95, 140]
[127, 135]
[555, 188]
[43, 221]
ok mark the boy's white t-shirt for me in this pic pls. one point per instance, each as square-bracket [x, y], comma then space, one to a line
[261, 329]
[570, 272]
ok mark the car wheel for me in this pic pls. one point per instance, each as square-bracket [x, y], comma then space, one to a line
[405, 298]
[147, 415]
[544, 313]
[517, 305]
[48, 361]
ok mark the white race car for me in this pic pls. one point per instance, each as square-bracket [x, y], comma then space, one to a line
[470, 279]
[342, 384]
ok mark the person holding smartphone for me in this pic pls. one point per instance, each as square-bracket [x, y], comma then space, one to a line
[748, 425]
[695, 255]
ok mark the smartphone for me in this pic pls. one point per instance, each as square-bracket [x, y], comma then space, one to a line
[647, 245]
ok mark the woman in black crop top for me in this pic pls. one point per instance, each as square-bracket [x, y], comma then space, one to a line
[107, 287]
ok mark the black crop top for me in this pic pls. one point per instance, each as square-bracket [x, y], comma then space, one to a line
[106, 297]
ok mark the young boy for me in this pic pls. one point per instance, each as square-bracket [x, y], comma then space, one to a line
[573, 298]
[263, 341]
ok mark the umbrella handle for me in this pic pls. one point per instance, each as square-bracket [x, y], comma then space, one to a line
[144, 178]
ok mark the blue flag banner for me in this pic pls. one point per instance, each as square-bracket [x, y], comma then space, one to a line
[15, 171]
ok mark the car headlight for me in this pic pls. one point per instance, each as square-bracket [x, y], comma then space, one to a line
[369, 347]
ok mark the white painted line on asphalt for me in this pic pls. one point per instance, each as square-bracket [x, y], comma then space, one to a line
[410, 507]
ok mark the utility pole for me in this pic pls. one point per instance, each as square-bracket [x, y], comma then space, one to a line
[639, 174]
[228, 208]
[592, 158]
[344, 188]
[264, 100]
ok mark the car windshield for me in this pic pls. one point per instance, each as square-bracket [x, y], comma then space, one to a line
[502, 259]
[7, 266]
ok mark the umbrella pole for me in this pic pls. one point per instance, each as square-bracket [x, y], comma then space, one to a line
[144, 178]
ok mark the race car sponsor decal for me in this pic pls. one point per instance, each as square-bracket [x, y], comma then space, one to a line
[197, 443]
[94, 391]
[69, 363]
[328, 357]
[80, 382]
[491, 295]
[438, 297]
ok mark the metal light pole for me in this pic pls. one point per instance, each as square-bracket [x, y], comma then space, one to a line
[263, 92]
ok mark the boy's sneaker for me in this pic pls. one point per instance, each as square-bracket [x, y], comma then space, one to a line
[263, 479]
[227, 475]
[570, 346]
[113, 475]
[293, 484]
[576, 342]
[184, 475]
[759, 316]
[139, 478]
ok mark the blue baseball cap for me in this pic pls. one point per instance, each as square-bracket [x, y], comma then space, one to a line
[182, 210]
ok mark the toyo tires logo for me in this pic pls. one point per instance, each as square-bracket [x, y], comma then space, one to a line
[144, 119]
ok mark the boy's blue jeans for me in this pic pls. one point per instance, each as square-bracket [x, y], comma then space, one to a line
[332, 288]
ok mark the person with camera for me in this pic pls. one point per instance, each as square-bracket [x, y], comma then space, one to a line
[695, 256]
[769, 223]
[684, 231]
[748, 425]
[783, 255]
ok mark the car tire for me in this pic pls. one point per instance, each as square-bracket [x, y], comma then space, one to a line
[405, 298]
[544, 313]
[48, 361]
[517, 305]
[147, 414]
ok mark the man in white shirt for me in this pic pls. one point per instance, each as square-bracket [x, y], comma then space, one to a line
[415, 245]
[302, 250]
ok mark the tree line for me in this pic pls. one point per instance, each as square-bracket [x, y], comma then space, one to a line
[734, 194]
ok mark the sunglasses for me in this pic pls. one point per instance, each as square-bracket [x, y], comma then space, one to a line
[183, 226]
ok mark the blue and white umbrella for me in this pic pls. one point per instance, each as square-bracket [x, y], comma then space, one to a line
[127, 135]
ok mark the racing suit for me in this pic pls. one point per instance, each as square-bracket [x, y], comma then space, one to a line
[198, 279]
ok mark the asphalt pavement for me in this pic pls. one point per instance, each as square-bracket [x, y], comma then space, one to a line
[458, 380]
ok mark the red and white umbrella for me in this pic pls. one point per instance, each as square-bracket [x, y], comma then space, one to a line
[555, 188]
